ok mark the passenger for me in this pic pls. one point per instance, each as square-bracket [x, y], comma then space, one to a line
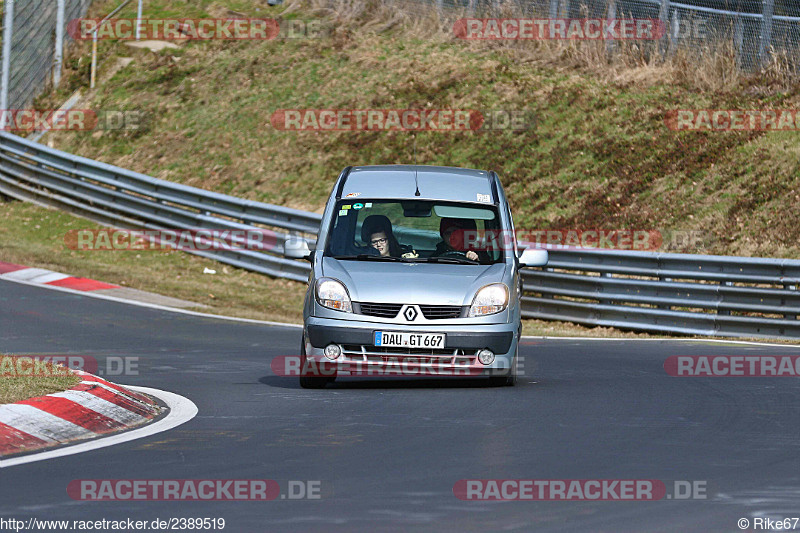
[380, 242]
[453, 241]
[376, 231]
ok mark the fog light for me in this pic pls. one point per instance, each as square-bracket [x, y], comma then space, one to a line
[332, 351]
[486, 357]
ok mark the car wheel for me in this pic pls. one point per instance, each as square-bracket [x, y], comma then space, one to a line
[506, 381]
[511, 379]
[310, 382]
[502, 381]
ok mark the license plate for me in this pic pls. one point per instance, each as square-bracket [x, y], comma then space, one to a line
[397, 339]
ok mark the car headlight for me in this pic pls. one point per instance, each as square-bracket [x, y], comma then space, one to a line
[489, 300]
[332, 294]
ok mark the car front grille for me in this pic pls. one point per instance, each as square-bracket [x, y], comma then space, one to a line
[438, 312]
[381, 310]
[390, 310]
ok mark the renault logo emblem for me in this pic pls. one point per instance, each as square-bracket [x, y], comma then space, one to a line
[410, 313]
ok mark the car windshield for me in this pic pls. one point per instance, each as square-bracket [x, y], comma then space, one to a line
[414, 230]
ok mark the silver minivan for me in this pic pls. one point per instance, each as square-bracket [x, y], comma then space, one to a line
[415, 272]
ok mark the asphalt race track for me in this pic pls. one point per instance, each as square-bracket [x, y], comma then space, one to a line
[388, 453]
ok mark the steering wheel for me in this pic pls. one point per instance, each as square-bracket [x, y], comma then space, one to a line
[453, 253]
[456, 253]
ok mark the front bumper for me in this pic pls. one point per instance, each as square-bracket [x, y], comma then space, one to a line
[457, 358]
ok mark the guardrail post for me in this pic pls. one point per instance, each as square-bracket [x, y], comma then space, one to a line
[790, 287]
[724, 312]
[59, 54]
[663, 278]
[605, 275]
[553, 9]
[551, 296]
[766, 30]
[8, 33]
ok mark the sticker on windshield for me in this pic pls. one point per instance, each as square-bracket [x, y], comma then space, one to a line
[368, 205]
[346, 206]
[358, 206]
[343, 212]
[485, 198]
[352, 194]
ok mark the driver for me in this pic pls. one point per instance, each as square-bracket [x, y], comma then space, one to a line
[452, 232]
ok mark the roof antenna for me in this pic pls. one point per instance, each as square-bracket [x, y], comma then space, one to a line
[416, 181]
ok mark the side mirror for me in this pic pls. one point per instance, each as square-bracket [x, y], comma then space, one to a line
[296, 248]
[533, 258]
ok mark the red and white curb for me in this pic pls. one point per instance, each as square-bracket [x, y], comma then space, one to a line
[99, 290]
[88, 287]
[92, 408]
[48, 277]
[181, 410]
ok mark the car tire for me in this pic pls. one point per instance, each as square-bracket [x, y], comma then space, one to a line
[511, 379]
[313, 382]
[310, 382]
[502, 381]
[506, 381]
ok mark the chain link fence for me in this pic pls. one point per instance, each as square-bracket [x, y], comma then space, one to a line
[754, 30]
[33, 45]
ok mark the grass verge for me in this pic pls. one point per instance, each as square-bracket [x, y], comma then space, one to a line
[34, 236]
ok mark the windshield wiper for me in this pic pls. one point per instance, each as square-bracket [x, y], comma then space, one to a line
[368, 257]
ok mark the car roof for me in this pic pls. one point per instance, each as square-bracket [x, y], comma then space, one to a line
[435, 183]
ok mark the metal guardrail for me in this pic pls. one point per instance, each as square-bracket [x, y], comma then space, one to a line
[125, 199]
[669, 293]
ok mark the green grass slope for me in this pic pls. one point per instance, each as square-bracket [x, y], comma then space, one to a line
[598, 156]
